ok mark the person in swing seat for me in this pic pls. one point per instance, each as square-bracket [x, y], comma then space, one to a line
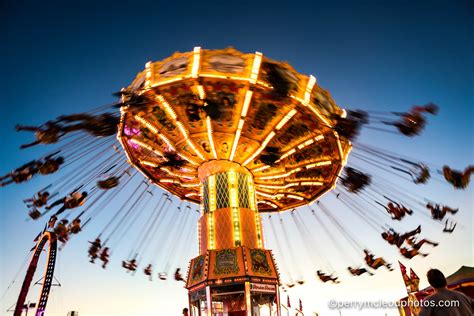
[74, 200]
[326, 278]
[358, 271]
[177, 275]
[412, 252]
[394, 238]
[39, 200]
[104, 257]
[376, 263]
[94, 249]
[148, 271]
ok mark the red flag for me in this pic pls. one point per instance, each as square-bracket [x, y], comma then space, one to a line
[288, 301]
[402, 268]
[415, 281]
[413, 275]
[301, 306]
[405, 277]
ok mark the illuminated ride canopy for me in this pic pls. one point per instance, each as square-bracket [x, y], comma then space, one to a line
[223, 105]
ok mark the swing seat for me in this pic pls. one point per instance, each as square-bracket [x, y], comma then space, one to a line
[162, 275]
[34, 214]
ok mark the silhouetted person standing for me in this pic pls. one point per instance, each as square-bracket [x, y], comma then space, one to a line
[445, 302]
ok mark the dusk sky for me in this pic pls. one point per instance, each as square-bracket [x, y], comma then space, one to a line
[66, 57]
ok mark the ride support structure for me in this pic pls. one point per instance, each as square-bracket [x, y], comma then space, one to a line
[233, 273]
[44, 238]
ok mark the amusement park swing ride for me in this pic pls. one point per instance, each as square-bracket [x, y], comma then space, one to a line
[240, 135]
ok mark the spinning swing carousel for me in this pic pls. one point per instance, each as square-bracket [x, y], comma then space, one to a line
[239, 134]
